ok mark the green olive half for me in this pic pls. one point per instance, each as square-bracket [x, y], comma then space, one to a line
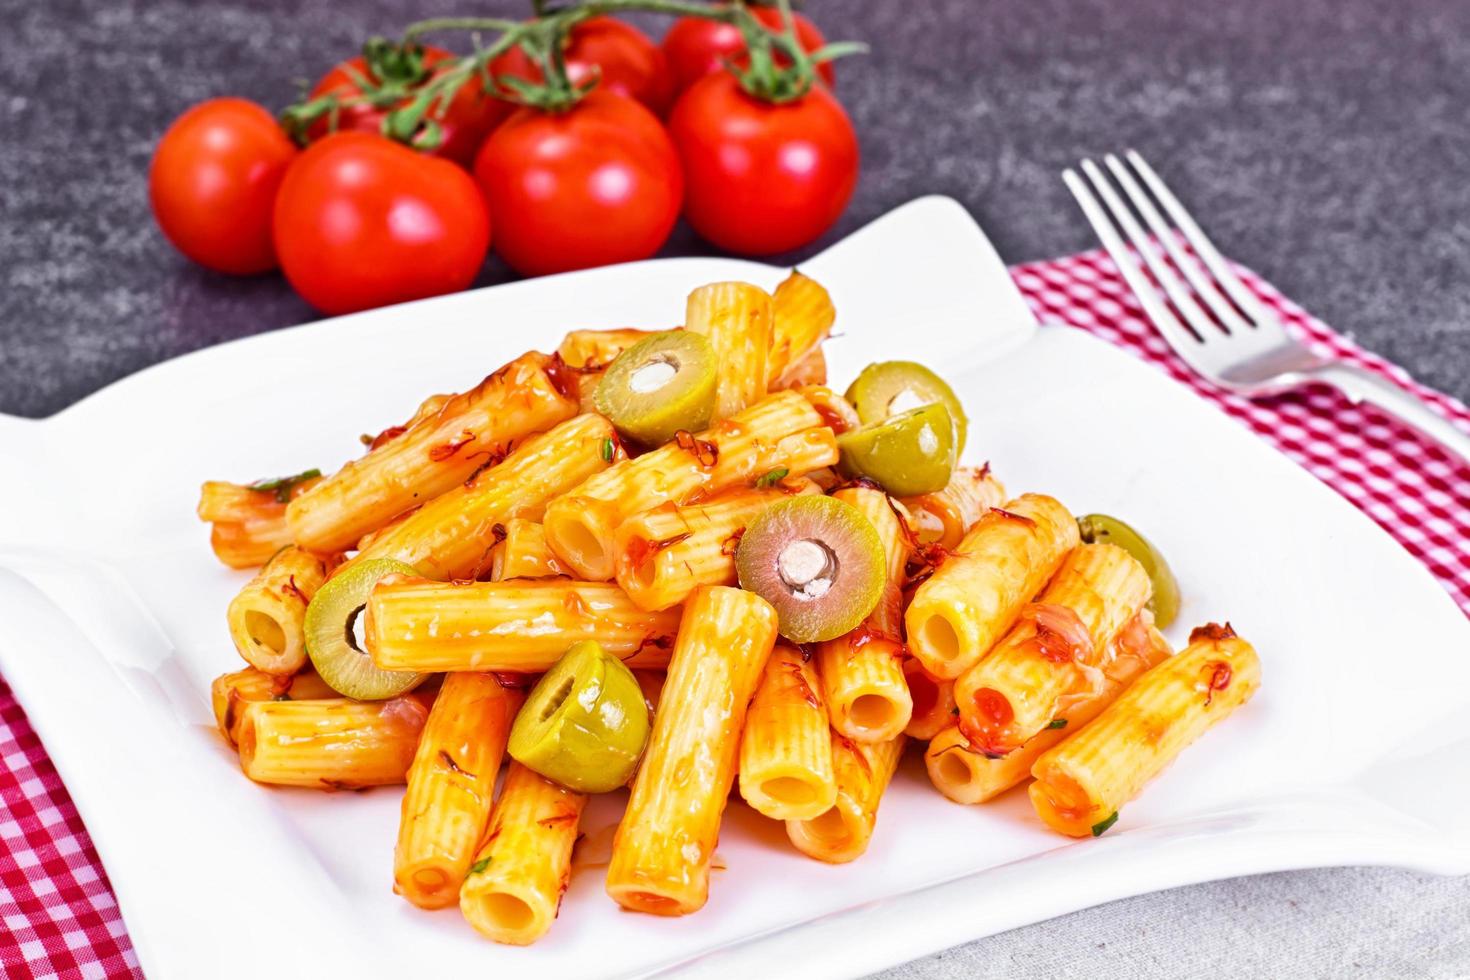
[658, 386]
[890, 387]
[907, 454]
[585, 723]
[332, 641]
[1102, 529]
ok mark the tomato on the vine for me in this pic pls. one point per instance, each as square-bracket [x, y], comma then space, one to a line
[213, 180]
[696, 46]
[463, 123]
[623, 58]
[362, 221]
[762, 177]
[593, 184]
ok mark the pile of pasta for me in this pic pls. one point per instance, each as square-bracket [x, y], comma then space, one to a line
[1003, 647]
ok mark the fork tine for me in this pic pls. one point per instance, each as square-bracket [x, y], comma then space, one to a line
[1158, 312]
[1197, 319]
[1204, 288]
[1200, 242]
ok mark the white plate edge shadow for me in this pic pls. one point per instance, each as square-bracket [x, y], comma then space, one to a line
[938, 930]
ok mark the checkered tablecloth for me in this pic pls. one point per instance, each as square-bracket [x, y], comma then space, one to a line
[58, 916]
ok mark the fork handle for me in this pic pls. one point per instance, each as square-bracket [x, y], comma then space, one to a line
[1360, 385]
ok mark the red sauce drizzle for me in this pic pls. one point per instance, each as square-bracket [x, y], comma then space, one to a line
[830, 417]
[563, 377]
[732, 543]
[1212, 631]
[1007, 515]
[706, 452]
[1220, 675]
[387, 435]
[440, 453]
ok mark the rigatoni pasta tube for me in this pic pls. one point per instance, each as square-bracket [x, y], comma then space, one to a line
[664, 554]
[515, 884]
[841, 833]
[786, 749]
[862, 672]
[265, 617]
[248, 524]
[933, 701]
[1083, 782]
[523, 553]
[662, 851]
[944, 517]
[437, 453]
[230, 693]
[782, 431]
[333, 743]
[802, 317]
[1056, 648]
[736, 317]
[452, 535]
[966, 775]
[976, 594]
[519, 625]
[450, 787]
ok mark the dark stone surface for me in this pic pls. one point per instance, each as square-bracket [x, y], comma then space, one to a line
[1323, 142]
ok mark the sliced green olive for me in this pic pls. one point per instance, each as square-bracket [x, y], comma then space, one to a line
[332, 640]
[890, 387]
[585, 722]
[658, 386]
[907, 454]
[1103, 529]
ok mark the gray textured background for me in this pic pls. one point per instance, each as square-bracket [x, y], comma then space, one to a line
[1326, 143]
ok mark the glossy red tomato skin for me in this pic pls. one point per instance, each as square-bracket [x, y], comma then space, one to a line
[624, 59]
[597, 184]
[464, 123]
[213, 181]
[696, 47]
[762, 178]
[362, 222]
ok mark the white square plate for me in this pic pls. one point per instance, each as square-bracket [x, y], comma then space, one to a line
[113, 625]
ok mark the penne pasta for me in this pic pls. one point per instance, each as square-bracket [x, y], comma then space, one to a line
[662, 851]
[945, 517]
[837, 412]
[230, 693]
[265, 617]
[514, 887]
[334, 743]
[781, 432]
[802, 317]
[810, 370]
[975, 595]
[862, 672]
[933, 702]
[966, 775]
[452, 535]
[522, 553]
[841, 833]
[1054, 654]
[1083, 782]
[436, 453]
[248, 522]
[664, 554]
[520, 625]
[736, 317]
[450, 787]
[786, 749]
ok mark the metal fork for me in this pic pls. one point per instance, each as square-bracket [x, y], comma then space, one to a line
[1216, 325]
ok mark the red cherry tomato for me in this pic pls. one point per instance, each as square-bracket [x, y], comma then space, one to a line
[760, 177]
[213, 183]
[464, 123]
[696, 47]
[622, 56]
[362, 221]
[596, 184]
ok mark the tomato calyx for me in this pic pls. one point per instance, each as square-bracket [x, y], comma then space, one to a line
[778, 68]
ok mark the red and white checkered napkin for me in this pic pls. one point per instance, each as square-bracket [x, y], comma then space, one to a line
[58, 917]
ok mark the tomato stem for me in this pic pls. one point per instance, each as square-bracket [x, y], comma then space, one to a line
[396, 71]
